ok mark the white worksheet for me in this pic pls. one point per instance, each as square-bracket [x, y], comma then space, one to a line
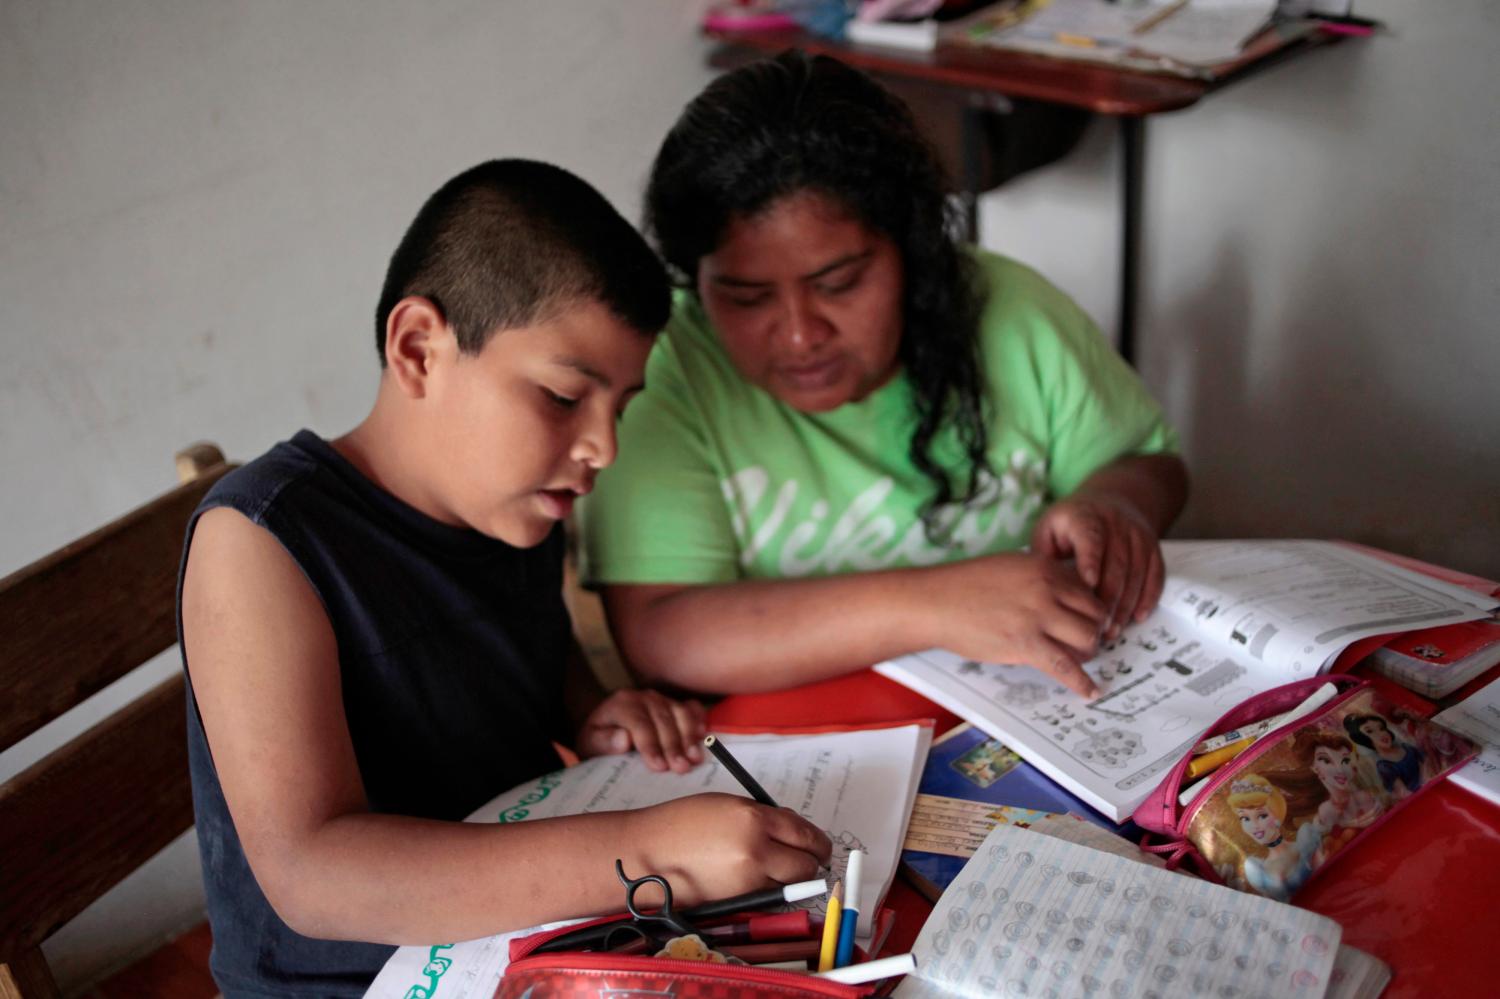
[1478, 717]
[857, 785]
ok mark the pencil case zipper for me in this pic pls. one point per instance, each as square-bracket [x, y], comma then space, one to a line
[1260, 747]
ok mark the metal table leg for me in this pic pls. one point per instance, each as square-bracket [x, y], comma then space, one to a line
[1133, 147]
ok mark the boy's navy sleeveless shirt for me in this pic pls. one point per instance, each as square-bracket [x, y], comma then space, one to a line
[451, 650]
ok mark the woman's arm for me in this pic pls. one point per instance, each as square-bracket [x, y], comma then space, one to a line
[767, 634]
[265, 672]
[1111, 527]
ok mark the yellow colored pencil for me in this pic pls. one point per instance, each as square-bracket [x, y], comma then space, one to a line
[1158, 17]
[830, 930]
[1212, 761]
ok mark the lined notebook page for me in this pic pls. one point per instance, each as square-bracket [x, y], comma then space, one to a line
[1036, 916]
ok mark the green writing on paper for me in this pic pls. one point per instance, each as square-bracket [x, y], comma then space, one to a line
[521, 809]
[434, 969]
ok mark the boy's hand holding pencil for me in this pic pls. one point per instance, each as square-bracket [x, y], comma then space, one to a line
[717, 845]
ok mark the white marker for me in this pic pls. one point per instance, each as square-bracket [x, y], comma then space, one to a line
[849, 918]
[804, 889]
[872, 971]
[1254, 730]
[1316, 700]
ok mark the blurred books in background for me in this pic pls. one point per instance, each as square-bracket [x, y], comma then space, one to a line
[1182, 37]
[1202, 39]
[1197, 39]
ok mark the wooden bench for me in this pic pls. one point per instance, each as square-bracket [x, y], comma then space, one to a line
[75, 823]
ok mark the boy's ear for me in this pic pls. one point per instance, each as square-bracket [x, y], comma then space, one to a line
[415, 332]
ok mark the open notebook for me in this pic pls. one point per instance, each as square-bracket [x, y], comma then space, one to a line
[1036, 915]
[1236, 618]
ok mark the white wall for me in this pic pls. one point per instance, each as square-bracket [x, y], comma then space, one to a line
[198, 198]
[1321, 286]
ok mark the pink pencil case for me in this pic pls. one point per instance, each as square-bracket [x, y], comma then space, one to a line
[1276, 815]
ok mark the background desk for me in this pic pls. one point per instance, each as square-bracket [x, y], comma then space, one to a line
[962, 94]
[1420, 895]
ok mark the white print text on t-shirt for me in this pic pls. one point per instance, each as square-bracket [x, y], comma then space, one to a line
[864, 537]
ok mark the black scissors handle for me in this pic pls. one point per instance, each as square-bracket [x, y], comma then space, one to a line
[641, 925]
[664, 914]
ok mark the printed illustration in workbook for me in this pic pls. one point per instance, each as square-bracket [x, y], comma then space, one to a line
[1236, 618]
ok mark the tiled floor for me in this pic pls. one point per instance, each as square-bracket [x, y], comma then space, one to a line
[178, 971]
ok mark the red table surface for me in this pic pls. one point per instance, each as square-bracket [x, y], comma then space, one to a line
[1419, 894]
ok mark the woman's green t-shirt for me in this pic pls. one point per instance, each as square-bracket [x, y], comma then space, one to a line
[717, 480]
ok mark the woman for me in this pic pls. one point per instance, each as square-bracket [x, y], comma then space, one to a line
[853, 424]
[1262, 811]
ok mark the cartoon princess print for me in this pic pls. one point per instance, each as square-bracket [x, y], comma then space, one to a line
[1398, 763]
[1350, 806]
[1262, 810]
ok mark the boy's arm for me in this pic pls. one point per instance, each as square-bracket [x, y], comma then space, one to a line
[667, 733]
[265, 672]
[755, 635]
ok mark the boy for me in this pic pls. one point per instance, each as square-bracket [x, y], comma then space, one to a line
[374, 633]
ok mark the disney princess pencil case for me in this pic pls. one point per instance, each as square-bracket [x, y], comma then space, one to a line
[1304, 792]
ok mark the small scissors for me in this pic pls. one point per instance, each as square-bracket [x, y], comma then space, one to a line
[644, 923]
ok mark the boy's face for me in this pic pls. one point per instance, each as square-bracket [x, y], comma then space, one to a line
[522, 428]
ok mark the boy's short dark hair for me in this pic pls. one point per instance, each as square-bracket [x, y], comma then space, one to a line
[509, 243]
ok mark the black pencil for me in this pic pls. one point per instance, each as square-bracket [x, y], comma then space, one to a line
[722, 754]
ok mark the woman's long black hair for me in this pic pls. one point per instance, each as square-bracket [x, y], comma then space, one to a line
[797, 123]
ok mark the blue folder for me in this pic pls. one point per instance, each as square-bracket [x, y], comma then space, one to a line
[967, 763]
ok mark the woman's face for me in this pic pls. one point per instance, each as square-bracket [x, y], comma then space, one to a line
[1380, 736]
[807, 302]
[1259, 823]
[1334, 767]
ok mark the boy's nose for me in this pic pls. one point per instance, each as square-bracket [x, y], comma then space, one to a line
[597, 446]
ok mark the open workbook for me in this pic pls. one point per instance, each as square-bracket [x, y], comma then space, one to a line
[858, 785]
[1236, 618]
[1035, 915]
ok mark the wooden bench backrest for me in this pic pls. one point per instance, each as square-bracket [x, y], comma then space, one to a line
[79, 820]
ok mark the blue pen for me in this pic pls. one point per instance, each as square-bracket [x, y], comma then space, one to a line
[849, 918]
